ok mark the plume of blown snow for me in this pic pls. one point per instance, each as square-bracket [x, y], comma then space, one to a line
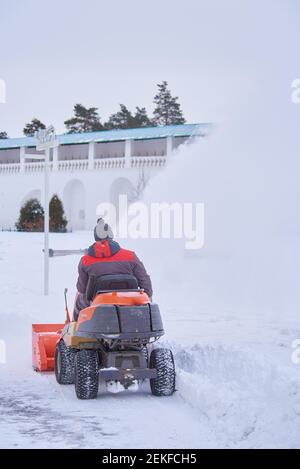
[247, 175]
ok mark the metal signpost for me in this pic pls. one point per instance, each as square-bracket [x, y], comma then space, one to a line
[46, 139]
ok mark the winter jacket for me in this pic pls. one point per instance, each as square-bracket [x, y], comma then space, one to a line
[107, 257]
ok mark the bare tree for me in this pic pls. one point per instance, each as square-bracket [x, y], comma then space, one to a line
[139, 188]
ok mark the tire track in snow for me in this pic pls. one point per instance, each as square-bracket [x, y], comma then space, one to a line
[37, 412]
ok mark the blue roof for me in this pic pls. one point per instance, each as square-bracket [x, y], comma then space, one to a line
[182, 130]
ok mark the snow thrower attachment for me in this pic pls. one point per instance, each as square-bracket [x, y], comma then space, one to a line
[110, 342]
[44, 340]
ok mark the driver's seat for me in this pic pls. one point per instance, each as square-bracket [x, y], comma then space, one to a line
[108, 283]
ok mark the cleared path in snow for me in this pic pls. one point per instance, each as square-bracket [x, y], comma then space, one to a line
[236, 384]
[37, 412]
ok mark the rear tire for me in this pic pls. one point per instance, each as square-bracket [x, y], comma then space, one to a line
[64, 363]
[86, 374]
[162, 360]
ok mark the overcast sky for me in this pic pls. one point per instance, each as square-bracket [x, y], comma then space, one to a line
[212, 52]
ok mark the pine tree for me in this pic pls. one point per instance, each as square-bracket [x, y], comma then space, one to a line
[57, 219]
[124, 119]
[167, 110]
[141, 118]
[32, 127]
[31, 216]
[84, 120]
[3, 135]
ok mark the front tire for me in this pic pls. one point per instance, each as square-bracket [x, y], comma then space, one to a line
[86, 374]
[64, 363]
[162, 360]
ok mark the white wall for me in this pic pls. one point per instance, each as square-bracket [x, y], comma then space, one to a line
[80, 191]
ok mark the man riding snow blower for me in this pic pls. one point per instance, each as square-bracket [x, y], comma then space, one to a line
[111, 338]
[106, 257]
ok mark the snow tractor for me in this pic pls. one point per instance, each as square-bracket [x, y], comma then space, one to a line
[110, 341]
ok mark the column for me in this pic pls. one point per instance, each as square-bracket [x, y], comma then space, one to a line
[128, 153]
[22, 159]
[169, 145]
[91, 155]
[55, 158]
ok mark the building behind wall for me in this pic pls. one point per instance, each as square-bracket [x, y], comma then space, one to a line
[87, 169]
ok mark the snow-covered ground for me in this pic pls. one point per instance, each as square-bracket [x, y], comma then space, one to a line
[237, 386]
[232, 309]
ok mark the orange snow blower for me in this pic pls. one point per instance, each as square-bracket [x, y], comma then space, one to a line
[44, 340]
[110, 342]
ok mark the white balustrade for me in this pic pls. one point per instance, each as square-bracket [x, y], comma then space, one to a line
[109, 163]
[148, 161]
[10, 168]
[35, 167]
[73, 165]
[83, 164]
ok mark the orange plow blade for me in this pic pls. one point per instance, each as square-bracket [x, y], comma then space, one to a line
[44, 339]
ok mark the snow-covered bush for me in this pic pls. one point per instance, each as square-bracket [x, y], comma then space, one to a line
[31, 216]
[58, 221]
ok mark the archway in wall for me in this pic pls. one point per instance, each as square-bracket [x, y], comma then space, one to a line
[121, 186]
[74, 200]
[34, 194]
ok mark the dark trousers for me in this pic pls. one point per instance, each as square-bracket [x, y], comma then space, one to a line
[80, 303]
